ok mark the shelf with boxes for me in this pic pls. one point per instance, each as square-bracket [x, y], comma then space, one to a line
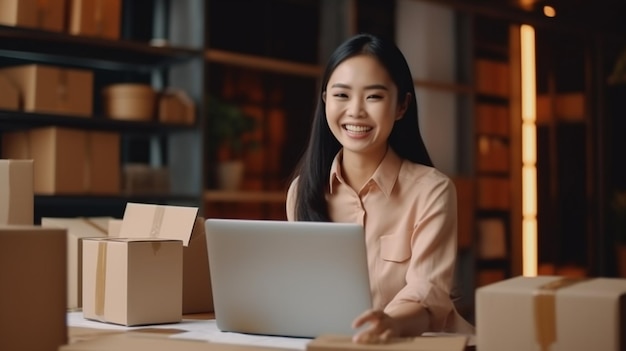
[62, 109]
[492, 160]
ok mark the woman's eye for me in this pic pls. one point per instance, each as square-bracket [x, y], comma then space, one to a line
[340, 95]
[374, 97]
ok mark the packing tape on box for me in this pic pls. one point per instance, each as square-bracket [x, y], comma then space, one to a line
[157, 221]
[95, 226]
[545, 310]
[101, 267]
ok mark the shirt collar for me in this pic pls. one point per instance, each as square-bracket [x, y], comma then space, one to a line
[385, 175]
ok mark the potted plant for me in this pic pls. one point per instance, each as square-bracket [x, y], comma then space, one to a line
[618, 205]
[228, 130]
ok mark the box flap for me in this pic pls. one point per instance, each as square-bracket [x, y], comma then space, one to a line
[158, 221]
[129, 240]
[78, 227]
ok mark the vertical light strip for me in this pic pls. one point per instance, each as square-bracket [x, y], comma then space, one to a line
[529, 152]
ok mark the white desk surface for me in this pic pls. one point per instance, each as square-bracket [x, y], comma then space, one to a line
[198, 329]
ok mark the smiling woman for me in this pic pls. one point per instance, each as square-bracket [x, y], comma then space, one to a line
[366, 163]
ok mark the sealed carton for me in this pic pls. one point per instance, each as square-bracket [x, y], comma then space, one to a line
[68, 161]
[95, 18]
[176, 107]
[552, 313]
[422, 343]
[47, 15]
[77, 230]
[103, 170]
[9, 99]
[32, 297]
[51, 89]
[18, 13]
[59, 158]
[178, 223]
[16, 187]
[132, 281]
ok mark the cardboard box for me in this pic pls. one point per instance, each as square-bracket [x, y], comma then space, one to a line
[59, 156]
[570, 106]
[114, 227]
[16, 187]
[33, 293]
[96, 18]
[492, 77]
[552, 313]
[132, 281]
[492, 155]
[50, 89]
[77, 230]
[176, 223]
[420, 343]
[103, 163]
[48, 14]
[68, 161]
[493, 193]
[51, 15]
[176, 107]
[9, 99]
[492, 119]
[18, 13]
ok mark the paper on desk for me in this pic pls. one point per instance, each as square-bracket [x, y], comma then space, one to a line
[195, 329]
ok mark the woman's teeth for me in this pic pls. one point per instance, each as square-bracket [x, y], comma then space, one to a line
[357, 129]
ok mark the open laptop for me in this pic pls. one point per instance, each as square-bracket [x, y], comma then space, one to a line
[296, 279]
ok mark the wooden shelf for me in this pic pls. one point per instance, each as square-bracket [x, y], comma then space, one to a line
[452, 87]
[92, 52]
[245, 196]
[262, 63]
[21, 120]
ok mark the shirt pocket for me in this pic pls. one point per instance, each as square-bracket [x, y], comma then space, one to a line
[395, 248]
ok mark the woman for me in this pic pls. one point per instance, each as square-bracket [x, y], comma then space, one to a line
[366, 163]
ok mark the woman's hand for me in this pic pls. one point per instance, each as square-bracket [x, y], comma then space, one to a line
[381, 327]
[400, 320]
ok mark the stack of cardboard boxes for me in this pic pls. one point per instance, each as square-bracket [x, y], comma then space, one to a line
[32, 268]
[148, 268]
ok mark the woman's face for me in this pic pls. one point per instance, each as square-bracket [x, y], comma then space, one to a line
[362, 105]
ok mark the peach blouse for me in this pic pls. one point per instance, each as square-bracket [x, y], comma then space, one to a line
[409, 213]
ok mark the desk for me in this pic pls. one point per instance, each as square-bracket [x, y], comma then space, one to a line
[193, 327]
[200, 327]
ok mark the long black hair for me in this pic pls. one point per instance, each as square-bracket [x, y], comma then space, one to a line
[405, 138]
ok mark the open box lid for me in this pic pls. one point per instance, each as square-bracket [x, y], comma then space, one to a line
[158, 221]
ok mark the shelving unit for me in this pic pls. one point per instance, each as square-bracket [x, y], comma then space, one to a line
[271, 73]
[128, 59]
[565, 155]
[492, 138]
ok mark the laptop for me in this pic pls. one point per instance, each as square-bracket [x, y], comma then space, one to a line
[294, 279]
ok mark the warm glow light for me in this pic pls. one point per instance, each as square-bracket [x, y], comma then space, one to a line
[549, 11]
[529, 90]
[529, 198]
[529, 247]
[529, 144]
[529, 152]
